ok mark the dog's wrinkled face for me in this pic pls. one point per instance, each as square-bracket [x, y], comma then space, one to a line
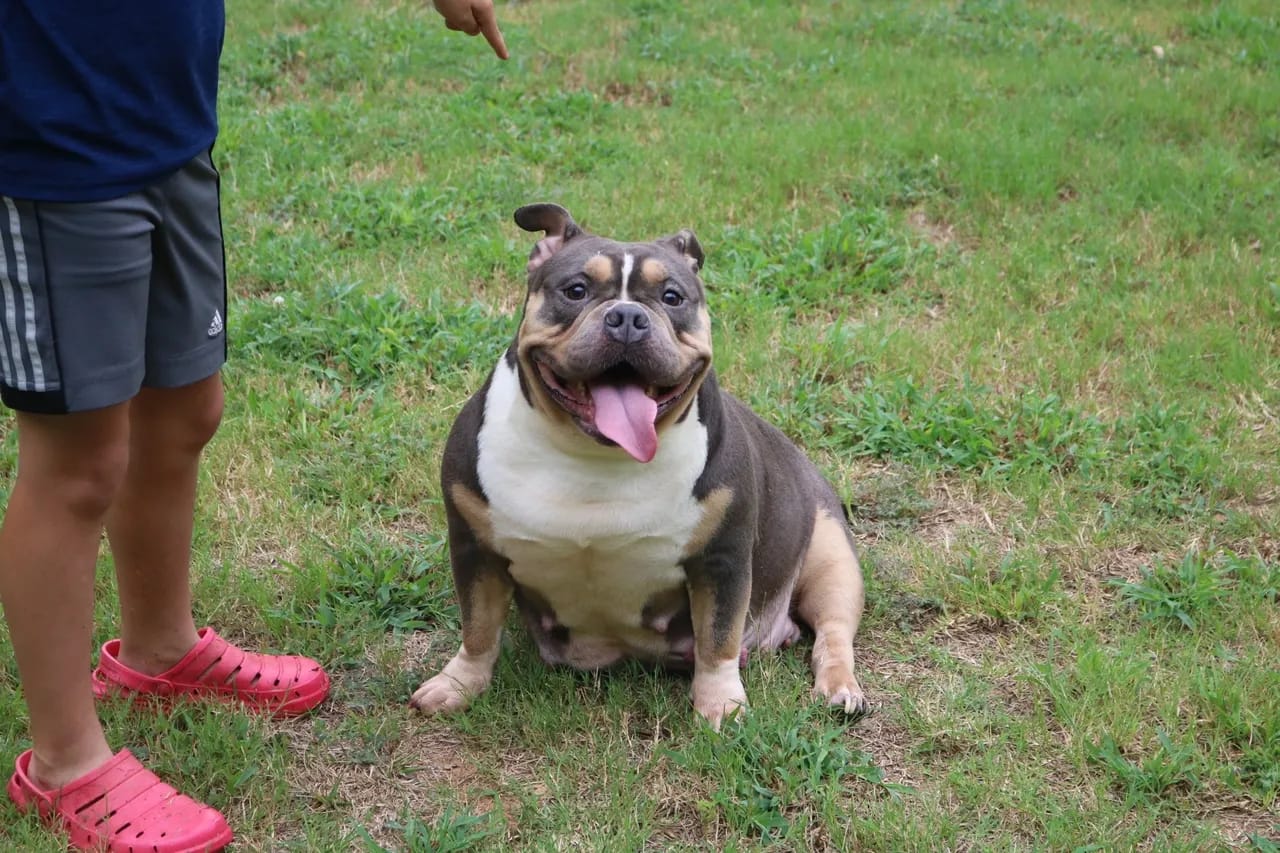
[615, 338]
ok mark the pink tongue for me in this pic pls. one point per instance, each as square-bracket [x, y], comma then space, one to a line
[626, 414]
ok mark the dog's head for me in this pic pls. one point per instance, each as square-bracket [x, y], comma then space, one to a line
[615, 339]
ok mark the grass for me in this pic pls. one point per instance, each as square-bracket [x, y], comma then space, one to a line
[1007, 272]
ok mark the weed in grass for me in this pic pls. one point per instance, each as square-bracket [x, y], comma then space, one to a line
[1167, 766]
[907, 184]
[356, 452]
[1020, 587]
[1165, 466]
[1271, 306]
[1195, 587]
[767, 768]
[1085, 679]
[887, 500]
[451, 832]
[1252, 41]
[860, 252]
[1266, 845]
[1240, 698]
[351, 337]
[1170, 465]
[968, 430]
[395, 587]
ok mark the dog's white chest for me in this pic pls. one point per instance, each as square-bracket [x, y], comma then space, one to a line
[595, 533]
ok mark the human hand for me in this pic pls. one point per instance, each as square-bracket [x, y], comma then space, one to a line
[473, 17]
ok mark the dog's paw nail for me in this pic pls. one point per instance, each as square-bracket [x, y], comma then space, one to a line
[718, 720]
[718, 713]
[439, 695]
[851, 701]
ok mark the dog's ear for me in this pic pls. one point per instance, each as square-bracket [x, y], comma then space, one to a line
[551, 218]
[687, 246]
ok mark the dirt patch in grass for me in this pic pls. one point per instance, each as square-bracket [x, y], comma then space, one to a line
[676, 816]
[1265, 545]
[936, 232]
[636, 95]
[975, 640]
[960, 516]
[1238, 821]
[940, 514]
[1125, 563]
[424, 652]
[888, 742]
[418, 761]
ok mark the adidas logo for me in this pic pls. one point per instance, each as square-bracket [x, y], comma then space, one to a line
[215, 328]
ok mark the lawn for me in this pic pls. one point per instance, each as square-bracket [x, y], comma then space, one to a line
[1009, 273]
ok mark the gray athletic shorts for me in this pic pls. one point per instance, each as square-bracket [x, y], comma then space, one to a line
[100, 299]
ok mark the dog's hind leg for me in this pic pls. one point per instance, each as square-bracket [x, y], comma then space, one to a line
[828, 597]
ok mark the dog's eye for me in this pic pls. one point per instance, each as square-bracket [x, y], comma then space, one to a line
[672, 297]
[576, 291]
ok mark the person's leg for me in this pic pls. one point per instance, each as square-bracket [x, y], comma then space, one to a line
[74, 281]
[69, 470]
[172, 418]
[77, 280]
[150, 524]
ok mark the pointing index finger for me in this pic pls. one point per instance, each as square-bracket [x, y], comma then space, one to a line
[488, 22]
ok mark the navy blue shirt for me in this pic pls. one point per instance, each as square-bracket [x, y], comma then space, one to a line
[100, 98]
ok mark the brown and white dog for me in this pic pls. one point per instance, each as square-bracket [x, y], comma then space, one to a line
[631, 507]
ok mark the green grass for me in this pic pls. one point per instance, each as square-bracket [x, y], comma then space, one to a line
[1007, 272]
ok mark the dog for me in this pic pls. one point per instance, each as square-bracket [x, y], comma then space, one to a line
[632, 509]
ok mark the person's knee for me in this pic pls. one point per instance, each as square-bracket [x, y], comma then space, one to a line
[91, 491]
[176, 423]
[202, 418]
[86, 483]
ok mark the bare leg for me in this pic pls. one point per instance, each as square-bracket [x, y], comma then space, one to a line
[69, 470]
[150, 524]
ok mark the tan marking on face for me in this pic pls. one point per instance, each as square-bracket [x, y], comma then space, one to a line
[532, 331]
[654, 271]
[704, 323]
[713, 506]
[698, 339]
[475, 511]
[600, 268]
[695, 346]
[535, 335]
[533, 302]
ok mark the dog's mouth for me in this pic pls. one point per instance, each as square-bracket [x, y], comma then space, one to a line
[619, 406]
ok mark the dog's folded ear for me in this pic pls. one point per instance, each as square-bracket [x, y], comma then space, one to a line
[551, 218]
[687, 245]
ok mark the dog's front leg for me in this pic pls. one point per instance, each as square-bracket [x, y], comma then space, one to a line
[719, 583]
[484, 596]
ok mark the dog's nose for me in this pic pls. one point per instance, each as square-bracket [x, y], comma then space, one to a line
[627, 323]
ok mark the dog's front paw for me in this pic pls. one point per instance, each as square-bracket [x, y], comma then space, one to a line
[839, 688]
[441, 694]
[453, 688]
[718, 693]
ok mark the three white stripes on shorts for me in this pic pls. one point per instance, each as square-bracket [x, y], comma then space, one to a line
[16, 291]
